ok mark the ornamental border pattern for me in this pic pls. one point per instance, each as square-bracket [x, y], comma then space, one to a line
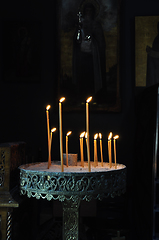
[72, 186]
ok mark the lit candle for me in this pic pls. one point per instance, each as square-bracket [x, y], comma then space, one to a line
[68, 134]
[87, 130]
[81, 148]
[49, 160]
[101, 150]
[48, 130]
[115, 137]
[86, 138]
[110, 149]
[60, 123]
[95, 150]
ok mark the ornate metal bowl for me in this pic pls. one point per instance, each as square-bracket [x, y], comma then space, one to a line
[71, 186]
[75, 182]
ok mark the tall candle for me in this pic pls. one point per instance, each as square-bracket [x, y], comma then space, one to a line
[52, 130]
[60, 127]
[86, 138]
[101, 149]
[108, 152]
[48, 130]
[95, 150]
[115, 137]
[81, 148]
[110, 149]
[87, 130]
[68, 133]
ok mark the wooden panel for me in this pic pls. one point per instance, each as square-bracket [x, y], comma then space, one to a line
[12, 155]
[4, 168]
[3, 213]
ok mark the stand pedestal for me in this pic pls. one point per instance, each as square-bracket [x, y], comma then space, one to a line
[70, 187]
[71, 219]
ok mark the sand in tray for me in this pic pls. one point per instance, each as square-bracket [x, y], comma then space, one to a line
[56, 167]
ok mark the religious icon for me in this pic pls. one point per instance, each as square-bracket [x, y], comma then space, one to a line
[146, 50]
[153, 61]
[88, 34]
[89, 74]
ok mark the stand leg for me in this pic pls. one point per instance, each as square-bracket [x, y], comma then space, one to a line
[9, 225]
[71, 219]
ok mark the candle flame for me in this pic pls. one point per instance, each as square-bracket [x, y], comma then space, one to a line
[116, 137]
[95, 136]
[53, 129]
[89, 99]
[100, 135]
[69, 133]
[48, 107]
[110, 135]
[82, 134]
[62, 99]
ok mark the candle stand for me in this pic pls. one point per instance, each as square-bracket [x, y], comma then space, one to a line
[70, 187]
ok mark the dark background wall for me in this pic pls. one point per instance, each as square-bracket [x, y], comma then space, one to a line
[22, 105]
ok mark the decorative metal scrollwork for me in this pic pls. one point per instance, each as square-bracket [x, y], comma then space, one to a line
[61, 186]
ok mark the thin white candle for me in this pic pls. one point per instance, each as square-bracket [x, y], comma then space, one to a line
[60, 127]
[110, 149]
[101, 149]
[68, 134]
[48, 130]
[81, 148]
[87, 130]
[49, 162]
[115, 137]
[95, 150]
